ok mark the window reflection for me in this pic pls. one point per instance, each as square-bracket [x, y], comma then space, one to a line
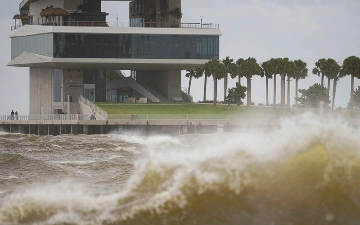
[136, 46]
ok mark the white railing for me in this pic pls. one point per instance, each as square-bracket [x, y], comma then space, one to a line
[122, 24]
[125, 117]
[91, 105]
[43, 117]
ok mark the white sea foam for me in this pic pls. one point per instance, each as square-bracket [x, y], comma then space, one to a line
[76, 162]
[208, 161]
[150, 141]
[115, 157]
[11, 177]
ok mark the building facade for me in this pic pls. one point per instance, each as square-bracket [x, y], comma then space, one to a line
[72, 50]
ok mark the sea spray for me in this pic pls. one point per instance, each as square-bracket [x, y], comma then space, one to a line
[306, 171]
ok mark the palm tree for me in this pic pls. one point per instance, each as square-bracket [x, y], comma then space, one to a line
[234, 69]
[332, 71]
[248, 68]
[290, 74]
[334, 92]
[283, 67]
[228, 64]
[319, 69]
[268, 68]
[300, 73]
[207, 74]
[190, 74]
[351, 66]
[218, 71]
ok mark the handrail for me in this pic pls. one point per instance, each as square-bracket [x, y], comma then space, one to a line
[147, 117]
[43, 117]
[122, 24]
[91, 105]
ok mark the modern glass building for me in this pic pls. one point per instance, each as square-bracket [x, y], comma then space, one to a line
[72, 50]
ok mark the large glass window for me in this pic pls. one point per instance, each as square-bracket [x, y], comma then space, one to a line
[97, 77]
[136, 46]
[57, 85]
[39, 44]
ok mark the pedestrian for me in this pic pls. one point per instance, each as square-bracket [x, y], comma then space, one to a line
[78, 114]
[12, 114]
[16, 115]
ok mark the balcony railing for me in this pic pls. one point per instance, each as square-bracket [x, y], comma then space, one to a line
[123, 24]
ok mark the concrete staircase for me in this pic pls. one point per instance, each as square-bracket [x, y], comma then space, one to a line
[186, 97]
[129, 82]
[114, 74]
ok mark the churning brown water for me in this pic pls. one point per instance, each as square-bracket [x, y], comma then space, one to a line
[305, 172]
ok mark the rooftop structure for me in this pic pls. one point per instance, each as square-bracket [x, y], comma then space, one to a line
[72, 50]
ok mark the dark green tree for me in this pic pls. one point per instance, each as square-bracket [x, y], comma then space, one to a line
[301, 72]
[217, 69]
[249, 68]
[228, 64]
[269, 70]
[331, 71]
[236, 94]
[190, 74]
[234, 69]
[207, 74]
[351, 66]
[312, 96]
[319, 69]
[283, 67]
[193, 73]
[356, 98]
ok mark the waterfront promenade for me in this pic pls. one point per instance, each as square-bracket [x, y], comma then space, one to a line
[161, 123]
[172, 124]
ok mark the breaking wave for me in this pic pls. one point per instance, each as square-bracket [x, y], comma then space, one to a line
[304, 172]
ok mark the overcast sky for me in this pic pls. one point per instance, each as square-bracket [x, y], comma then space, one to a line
[263, 29]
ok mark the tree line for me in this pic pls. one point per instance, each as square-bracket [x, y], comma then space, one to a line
[282, 67]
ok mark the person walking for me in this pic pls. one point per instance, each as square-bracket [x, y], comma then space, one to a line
[12, 114]
[16, 115]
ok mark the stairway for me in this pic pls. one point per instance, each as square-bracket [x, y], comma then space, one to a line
[129, 82]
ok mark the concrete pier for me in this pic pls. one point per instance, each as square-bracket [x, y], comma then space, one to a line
[141, 126]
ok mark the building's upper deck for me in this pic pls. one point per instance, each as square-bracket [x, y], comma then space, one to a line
[25, 4]
[84, 24]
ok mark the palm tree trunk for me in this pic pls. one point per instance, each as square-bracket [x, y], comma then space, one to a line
[215, 91]
[248, 86]
[322, 79]
[288, 92]
[190, 78]
[274, 100]
[351, 90]
[205, 81]
[282, 90]
[239, 79]
[334, 93]
[296, 91]
[267, 91]
[225, 86]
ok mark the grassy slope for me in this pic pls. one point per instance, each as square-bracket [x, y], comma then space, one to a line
[183, 108]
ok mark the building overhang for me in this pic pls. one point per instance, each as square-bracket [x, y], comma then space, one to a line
[38, 29]
[28, 59]
[26, 3]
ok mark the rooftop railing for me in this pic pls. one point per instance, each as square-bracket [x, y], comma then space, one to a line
[122, 24]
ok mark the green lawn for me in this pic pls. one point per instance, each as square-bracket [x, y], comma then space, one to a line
[184, 108]
[195, 110]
